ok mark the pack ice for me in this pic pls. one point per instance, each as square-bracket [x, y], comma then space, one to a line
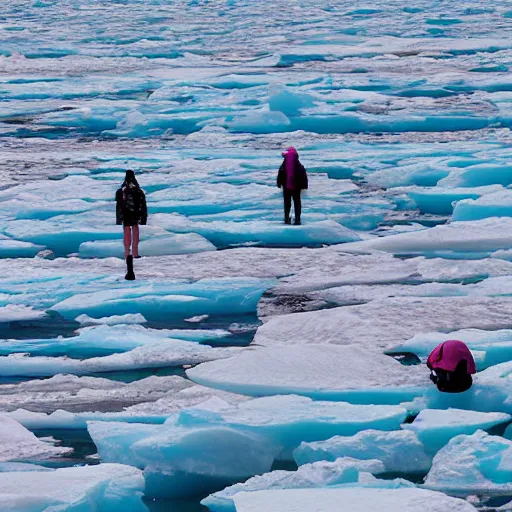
[103, 487]
[203, 441]
[359, 500]
[479, 463]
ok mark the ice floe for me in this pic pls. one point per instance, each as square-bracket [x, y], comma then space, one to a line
[479, 463]
[359, 500]
[19, 444]
[399, 451]
[335, 372]
[113, 485]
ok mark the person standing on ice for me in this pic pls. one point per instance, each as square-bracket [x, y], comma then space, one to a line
[292, 178]
[131, 211]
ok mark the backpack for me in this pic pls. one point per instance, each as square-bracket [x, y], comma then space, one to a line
[130, 201]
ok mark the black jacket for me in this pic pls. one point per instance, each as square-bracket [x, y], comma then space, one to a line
[139, 215]
[300, 176]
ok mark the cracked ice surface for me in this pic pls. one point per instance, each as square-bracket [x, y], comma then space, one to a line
[401, 113]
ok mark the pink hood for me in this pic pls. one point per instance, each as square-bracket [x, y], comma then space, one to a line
[290, 152]
[448, 355]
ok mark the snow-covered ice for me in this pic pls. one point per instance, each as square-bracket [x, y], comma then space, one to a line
[479, 463]
[112, 486]
[359, 500]
[19, 444]
[179, 462]
[399, 451]
[435, 428]
[159, 354]
[289, 420]
[319, 371]
[401, 112]
[318, 474]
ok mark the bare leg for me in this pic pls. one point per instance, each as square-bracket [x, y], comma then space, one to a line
[135, 246]
[127, 240]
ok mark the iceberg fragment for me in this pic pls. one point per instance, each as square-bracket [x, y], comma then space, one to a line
[17, 443]
[318, 371]
[399, 451]
[479, 463]
[289, 420]
[159, 246]
[105, 487]
[154, 355]
[318, 474]
[435, 428]
[156, 301]
[480, 237]
[180, 462]
[358, 499]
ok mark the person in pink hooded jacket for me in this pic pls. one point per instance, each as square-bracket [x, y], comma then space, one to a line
[452, 365]
[292, 178]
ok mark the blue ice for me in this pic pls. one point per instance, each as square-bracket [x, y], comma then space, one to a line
[180, 462]
[104, 340]
[478, 463]
[159, 246]
[318, 474]
[175, 300]
[110, 487]
[399, 451]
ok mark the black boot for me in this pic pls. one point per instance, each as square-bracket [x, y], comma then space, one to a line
[297, 222]
[287, 220]
[130, 275]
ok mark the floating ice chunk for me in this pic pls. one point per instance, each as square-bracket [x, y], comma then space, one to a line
[10, 467]
[69, 188]
[319, 474]
[289, 420]
[101, 340]
[196, 319]
[479, 175]
[18, 249]
[17, 443]
[399, 451]
[135, 318]
[31, 206]
[261, 122]
[155, 398]
[268, 233]
[179, 462]
[353, 499]
[288, 102]
[436, 427]
[347, 295]
[61, 238]
[55, 421]
[479, 463]
[479, 237]
[420, 174]
[498, 204]
[440, 200]
[88, 394]
[18, 312]
[170, 300]
[489, 347]
[117, 488]
[158, 246]
[155, 355]
[319, 371]
[381, 323]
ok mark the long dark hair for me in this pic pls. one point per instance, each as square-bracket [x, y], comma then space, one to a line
[130, 178]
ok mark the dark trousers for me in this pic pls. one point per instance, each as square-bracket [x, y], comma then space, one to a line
[288, 195]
